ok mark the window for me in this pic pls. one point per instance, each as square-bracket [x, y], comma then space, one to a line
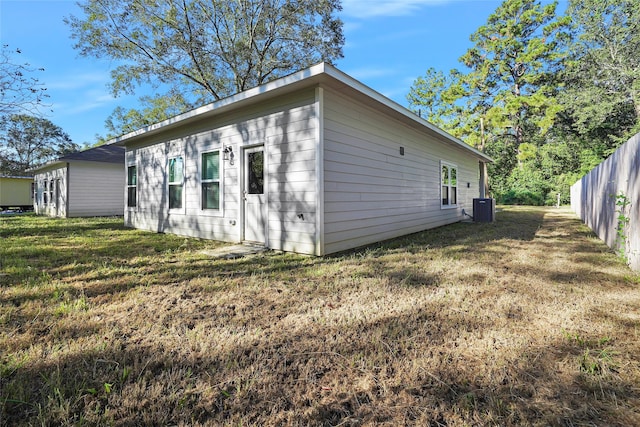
[132, 186]
[45, 193]
[449, 184]
[211, 180]
[176, 178]
[256, 172]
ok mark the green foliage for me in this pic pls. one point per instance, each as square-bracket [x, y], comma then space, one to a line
[206, 50]
[512, 66]
[526, 186]
[602, 77]
[27, 141]
[429, 97]
[596, 360]
[547, 97]
[155, 109]
[622, 204]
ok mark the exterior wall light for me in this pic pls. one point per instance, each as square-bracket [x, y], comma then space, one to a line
[228, 152]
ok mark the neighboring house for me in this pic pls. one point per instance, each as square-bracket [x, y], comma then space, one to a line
[86, 183]
[16, 192]
[607, 199]
[315, 163]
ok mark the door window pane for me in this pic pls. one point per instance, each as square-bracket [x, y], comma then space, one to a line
[256, 173]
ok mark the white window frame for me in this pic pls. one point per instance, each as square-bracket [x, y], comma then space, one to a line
[448, 183]
[219, 211]
[170, 183]
[45, 193]
[129, 186]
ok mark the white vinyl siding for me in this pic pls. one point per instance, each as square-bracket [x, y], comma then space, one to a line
[80, 189]
[95, 189]
[372, 191]
[47, 201]
[343, 168]
[286, 128]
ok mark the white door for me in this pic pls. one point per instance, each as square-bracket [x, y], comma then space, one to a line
[255, 217]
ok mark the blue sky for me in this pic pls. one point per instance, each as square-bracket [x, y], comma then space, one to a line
[389, 43]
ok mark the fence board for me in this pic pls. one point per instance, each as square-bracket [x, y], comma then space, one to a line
[593, 198]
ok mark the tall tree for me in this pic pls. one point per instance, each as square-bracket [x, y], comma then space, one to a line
[427, 98]
[602, 78]
[154, 110]
[20, 90]
[207, 49]
[27, 141]
[512, 67]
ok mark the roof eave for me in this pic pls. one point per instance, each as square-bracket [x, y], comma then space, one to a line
[311, 75]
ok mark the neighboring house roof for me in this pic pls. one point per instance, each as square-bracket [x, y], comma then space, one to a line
[101, 154]
[16, 177]
[322, 73]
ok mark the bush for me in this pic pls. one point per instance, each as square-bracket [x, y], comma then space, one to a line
[519, 196]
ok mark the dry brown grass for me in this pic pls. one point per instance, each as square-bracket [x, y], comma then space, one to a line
[527, 321]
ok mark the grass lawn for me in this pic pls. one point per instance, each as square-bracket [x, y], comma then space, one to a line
[530, 320]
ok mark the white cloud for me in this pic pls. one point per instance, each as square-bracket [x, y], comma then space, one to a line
[82, 80]
[371, 8]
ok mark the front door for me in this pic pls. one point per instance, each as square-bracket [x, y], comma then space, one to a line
[255, 218]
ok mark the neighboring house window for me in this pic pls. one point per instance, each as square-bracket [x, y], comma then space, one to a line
[132, 186]
[449, 184]
[176, 179]
[45, 193]
[211, 180]
[33, 191]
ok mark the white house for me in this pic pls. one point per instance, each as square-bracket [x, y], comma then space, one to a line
[315, 162]
[86, 183]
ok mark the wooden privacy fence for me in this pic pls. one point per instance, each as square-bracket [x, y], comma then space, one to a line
[607, 199]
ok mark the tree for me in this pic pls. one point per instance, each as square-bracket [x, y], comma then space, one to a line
[427, 98]
[19, 92]
[602, 77]
[155, 109]
[206, 50]
[509, 93]
[512, 66]
[27, 141]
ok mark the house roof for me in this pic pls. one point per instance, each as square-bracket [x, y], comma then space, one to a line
[15, 177]
[319, 74]
[100, 154]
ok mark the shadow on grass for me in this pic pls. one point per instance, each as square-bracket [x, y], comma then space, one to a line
[232, 354]
[409, 368]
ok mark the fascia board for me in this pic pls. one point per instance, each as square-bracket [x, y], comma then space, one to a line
[319, 73]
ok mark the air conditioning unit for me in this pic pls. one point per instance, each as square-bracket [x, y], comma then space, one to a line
[484, 210]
